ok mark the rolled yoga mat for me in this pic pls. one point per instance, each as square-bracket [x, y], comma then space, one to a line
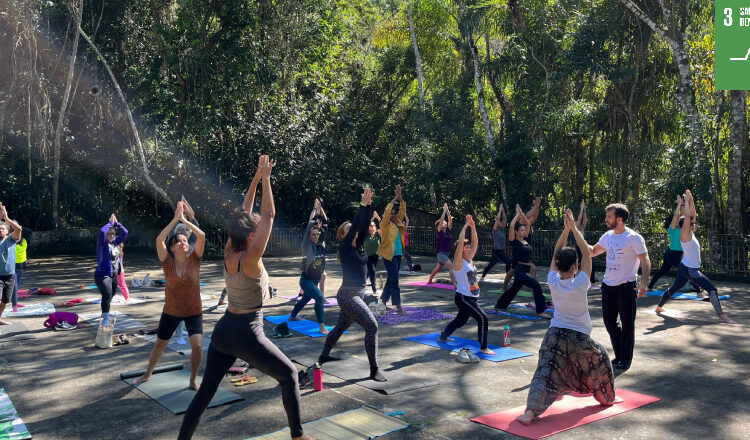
[357, 370]
[16, 331]
[358, 424]
[170, 388]
[455, 343]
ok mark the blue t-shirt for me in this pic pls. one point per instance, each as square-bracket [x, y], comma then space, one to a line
[8, 255]
[398, 247]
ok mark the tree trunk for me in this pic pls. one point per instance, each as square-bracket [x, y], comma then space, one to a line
[78, 12]
[738, 140]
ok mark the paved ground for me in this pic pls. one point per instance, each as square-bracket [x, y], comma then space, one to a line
[64, 388]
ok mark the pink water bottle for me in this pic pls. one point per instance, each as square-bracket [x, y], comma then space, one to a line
[506, 336]
[317, 377]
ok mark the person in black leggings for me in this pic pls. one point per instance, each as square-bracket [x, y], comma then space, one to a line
[108, 262]
[239, 333]
[522, 263]
[351, 294]
[498, 243]
[371, 245]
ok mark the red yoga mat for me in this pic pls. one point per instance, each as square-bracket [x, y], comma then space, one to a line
[425, 284]
[568, 412]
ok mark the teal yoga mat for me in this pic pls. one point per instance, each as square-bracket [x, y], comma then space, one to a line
[688, 296]
[309, 328]
[358, 424]
[170, 389]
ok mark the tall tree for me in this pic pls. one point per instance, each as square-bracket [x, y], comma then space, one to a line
[738, 141]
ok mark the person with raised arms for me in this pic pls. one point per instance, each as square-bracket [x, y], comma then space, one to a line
[109, 264]
[182, 293]
[498, 243]
[467, 288]
[689, 268]
[351, 294]
[239, 333]
[371, 245]
[8, 242]
[444, 241]
[392, 247]
[532, 216]
[626, 251]
[581, 222]
[569, 359]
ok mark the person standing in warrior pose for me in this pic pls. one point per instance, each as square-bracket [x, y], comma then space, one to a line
[532, 216]
[626, 251]
[392, 247]
[444, 241]
[352, 291]
[689, 268]
[371, 245]
[239, 333]
[581, 222]
[498, 243]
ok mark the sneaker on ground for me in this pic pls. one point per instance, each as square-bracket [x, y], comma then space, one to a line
[463, 356]
[147, 281]
[64, 325]
[136, 282]
[473, 356]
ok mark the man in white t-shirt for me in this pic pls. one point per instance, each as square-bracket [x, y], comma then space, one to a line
[626, 251]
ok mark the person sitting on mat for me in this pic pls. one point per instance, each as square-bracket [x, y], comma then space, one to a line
[8, 244]
[313, 266]
[239, 333]
[392, 247]
[351, 294]
[444, 239]
[108, 262]
[467, 288]
[182, 293]
[569, 360]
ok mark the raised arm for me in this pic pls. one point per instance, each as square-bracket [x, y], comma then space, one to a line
[676, 216]
[450, 219]
[360, 223]
[458, 257]
[442, 217]
[533, 213]
[561, 240]
[512, 229]
[123, 234]
[161, 239]
[686, 234]
[11, 223]
[249, 202]
[474, 236]
[200, 236]
[581, 216]
[523, 218]
[401, 206]
[257, 246]
[496, 225]
[585, 264]
[308, 230]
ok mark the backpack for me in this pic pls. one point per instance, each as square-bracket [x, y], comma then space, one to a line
[57, 317]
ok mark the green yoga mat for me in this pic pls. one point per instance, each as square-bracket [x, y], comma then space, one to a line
[169, 387]
[358, 424]
[522, 293]
[11, 426]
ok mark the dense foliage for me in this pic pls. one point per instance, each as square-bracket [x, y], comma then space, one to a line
[581, 98]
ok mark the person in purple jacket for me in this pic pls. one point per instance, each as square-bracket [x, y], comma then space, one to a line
[444, 244]
[108, 264]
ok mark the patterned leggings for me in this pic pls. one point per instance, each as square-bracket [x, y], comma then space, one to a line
[353, 309]
[570, 361]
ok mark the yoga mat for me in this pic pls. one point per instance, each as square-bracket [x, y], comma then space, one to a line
[501, 353]
[414, 314]
[122, 321]
[688, 296]
[160, 369]
[16, 331]
[358, 424]
[183, 349]
[514, 315]
[309, 328]
[330, 302]
[170, 390]
[426, 284]
[357, 371]
[11, 426]
[522, 294]
[39, 309]
[571, 411]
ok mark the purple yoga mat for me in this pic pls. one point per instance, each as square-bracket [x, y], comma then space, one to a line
[330, 302]
[415, 314]
[425, 284]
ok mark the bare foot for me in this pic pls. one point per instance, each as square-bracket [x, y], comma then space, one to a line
[304, 437]
[140, 380]
[618, 400]
[487, 351]
[543, 315]
[4, 322]
[526, 418]
[726, 320]
[429, 281]
[194, 386]
[295, 318]
[659, 309]
[444, 339]
[323, 330]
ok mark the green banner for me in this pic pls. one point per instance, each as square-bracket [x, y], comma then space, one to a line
[732, 45]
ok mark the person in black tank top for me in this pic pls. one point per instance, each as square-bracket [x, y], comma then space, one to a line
[522, 250]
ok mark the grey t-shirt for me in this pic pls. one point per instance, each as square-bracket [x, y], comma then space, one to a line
[498, 238]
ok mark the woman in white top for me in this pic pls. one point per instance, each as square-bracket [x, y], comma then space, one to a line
[689, 268]
[569, 360]
[467, 288]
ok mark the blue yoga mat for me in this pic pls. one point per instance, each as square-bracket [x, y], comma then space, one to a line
[690, 296]
[512, 315]
[306, 327]
[501, 353]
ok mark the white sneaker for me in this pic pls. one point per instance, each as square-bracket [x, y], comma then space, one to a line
[473, 356]
[147, 281]
[380, 309]
[136, 282]
[463, 356]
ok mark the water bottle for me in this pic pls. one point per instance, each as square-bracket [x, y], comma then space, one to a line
[506, 336]
[317, 377]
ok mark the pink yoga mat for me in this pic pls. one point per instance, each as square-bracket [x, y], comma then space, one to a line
[330, 302]
[425, 284]
[571, 411]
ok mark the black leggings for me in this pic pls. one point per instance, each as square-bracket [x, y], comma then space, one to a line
[353, 309]
[620, 301]
[372, 263]
[468, 308]
[241, 336]
[520, 279]
[106, 287]
[497, 256]
[685, 274]
[672, 259]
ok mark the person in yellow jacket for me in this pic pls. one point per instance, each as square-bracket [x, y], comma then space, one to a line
[392, 247]
[20, 267]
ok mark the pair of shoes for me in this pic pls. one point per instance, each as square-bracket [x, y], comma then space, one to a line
[466, 356]
[282, 331]
[64, 325]
[243, 380]
[120, 339]
[303, 378]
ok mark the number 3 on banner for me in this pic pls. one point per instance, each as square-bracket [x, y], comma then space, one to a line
[727, 16]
